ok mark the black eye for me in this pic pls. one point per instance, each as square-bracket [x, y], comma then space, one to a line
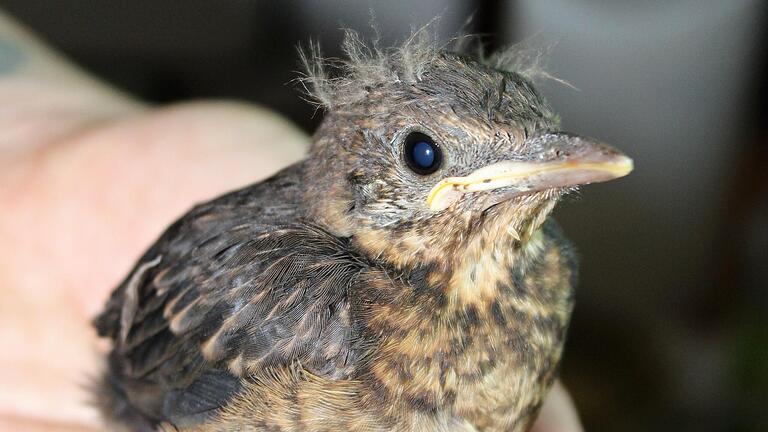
[422, 155]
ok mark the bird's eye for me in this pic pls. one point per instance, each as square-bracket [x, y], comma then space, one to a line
[422, 155]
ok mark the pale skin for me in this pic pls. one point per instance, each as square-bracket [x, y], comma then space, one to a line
[89, 177]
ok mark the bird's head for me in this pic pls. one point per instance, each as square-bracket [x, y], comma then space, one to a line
[424, 150]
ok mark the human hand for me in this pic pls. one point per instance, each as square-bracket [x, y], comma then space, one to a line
[89, 178]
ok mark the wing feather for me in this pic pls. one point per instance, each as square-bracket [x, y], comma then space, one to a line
[235, 286]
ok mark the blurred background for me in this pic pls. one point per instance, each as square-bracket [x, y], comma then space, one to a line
[671, 326]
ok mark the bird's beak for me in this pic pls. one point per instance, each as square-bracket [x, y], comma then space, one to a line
[556, 160]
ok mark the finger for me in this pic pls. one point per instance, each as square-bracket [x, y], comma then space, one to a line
[21, 424]
[79, 214]
[558, 414]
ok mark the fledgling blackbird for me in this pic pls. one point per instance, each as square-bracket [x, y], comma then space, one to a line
[403, 277]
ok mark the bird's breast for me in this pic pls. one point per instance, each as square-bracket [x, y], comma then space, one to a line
[481, 338]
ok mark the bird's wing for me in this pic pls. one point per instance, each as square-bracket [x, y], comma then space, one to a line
[224, 293]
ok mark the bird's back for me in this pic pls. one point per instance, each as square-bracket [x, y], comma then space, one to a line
[236, 284]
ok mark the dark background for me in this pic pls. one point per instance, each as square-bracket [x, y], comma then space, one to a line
[671, 326]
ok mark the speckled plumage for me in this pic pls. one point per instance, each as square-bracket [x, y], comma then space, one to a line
[331, 298]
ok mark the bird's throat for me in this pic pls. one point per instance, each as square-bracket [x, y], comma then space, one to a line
[475, 252]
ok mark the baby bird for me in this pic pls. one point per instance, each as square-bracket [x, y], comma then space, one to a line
[405, 276]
